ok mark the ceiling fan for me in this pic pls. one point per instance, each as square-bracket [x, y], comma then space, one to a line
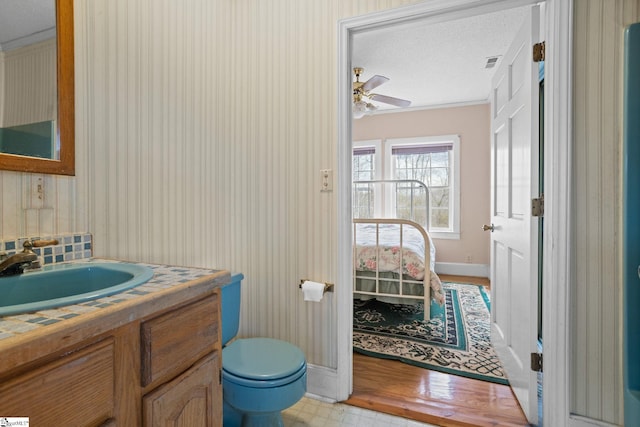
[361, 90]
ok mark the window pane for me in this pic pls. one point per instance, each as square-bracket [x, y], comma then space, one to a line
[440, 198]
[363, 170]
[440, 208]
[363, 167]
[411, 202]
[432, 168]
[439, 177]
[362, 201]
[402, 174]
[439, 160]
[439, 218]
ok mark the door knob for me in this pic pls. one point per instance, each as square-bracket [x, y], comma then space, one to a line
[488, 227]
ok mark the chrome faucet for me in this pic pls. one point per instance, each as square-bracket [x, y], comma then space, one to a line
[27, 259]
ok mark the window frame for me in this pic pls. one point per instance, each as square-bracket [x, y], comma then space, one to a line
[383, 169]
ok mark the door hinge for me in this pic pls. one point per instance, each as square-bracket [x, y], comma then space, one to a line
[537, 206]
[538, 52]
[219, 376]
[536, 362]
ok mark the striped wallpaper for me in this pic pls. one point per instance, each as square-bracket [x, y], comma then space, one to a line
[201, 130]
[597, 367]
[206, 125]
[29, 84]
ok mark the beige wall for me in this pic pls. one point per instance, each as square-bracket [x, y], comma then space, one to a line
[472, 124]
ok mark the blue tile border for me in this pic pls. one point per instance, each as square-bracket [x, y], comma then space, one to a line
[71, 247]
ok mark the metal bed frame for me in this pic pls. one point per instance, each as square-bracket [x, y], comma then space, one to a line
[426, 281]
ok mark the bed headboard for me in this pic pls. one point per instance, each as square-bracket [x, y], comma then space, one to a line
[414, 193]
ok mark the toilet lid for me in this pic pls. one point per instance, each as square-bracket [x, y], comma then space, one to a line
[262, 358]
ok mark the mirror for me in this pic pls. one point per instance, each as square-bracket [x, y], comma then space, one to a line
[38, 124]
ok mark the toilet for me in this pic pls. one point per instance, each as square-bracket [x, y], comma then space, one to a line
[260, 376]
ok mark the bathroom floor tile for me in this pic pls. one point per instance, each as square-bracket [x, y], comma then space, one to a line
[310, 412]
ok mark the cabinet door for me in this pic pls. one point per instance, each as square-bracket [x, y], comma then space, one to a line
[75, 390]
[193, 399]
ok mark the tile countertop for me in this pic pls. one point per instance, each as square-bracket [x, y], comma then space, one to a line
[169, 285]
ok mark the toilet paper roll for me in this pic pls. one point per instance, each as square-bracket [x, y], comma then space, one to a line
[312, 291]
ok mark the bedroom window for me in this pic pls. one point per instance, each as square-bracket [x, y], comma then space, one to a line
[366, 167]
[431, 160]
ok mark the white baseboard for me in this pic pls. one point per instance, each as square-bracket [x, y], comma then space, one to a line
[580, 421]
[462, 269]
[322, 383]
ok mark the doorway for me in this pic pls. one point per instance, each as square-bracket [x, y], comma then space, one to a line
[432, 12]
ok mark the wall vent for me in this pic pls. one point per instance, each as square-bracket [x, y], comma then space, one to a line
[491, 61]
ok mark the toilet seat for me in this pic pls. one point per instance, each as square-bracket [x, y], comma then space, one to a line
[245, 382]
[262, 362]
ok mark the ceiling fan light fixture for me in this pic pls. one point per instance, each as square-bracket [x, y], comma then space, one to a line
[359, 109]
[362, 90]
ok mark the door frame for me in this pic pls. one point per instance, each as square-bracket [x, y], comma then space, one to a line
[558, 141]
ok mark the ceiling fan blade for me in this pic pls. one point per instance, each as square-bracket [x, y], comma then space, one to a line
[374, 82]
[390, 100]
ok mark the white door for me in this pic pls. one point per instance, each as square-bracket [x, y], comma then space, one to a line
[514, 182]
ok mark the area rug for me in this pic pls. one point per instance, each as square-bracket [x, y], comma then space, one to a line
[457, 339]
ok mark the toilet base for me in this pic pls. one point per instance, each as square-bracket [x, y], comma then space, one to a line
[233, 418]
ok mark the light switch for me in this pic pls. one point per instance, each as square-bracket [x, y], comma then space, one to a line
[37, 191]
[326, 179]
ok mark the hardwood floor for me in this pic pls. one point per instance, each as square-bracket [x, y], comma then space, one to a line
[446, 400]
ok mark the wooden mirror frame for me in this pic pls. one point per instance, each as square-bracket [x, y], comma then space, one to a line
[65, 132]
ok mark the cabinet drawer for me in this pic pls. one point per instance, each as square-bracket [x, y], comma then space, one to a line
[175, 340]
[75, 390]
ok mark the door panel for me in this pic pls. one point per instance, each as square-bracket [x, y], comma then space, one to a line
[520, 124]
[501, 171]
[501, 94]
[500, 312]
[518, 343]
[514, 239]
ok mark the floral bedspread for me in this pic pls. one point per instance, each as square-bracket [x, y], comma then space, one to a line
[390, 257]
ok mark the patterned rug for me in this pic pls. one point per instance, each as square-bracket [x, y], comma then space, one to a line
[457, 339]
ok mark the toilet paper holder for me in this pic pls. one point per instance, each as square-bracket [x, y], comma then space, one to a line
[328, 287]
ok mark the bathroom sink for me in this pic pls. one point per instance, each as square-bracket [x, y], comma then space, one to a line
[63, 284]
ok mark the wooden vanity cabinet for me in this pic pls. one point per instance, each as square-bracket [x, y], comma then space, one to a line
[162, 369]
[181, 363]
[75, 390]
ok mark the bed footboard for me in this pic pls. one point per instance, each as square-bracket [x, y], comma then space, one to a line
[392, 259]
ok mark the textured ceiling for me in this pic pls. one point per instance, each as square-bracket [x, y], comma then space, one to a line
[438, 63]
[26, 21]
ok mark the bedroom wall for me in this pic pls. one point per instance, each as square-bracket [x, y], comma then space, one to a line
[472, 124]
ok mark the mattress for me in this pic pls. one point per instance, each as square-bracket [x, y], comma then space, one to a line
[383, 252]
